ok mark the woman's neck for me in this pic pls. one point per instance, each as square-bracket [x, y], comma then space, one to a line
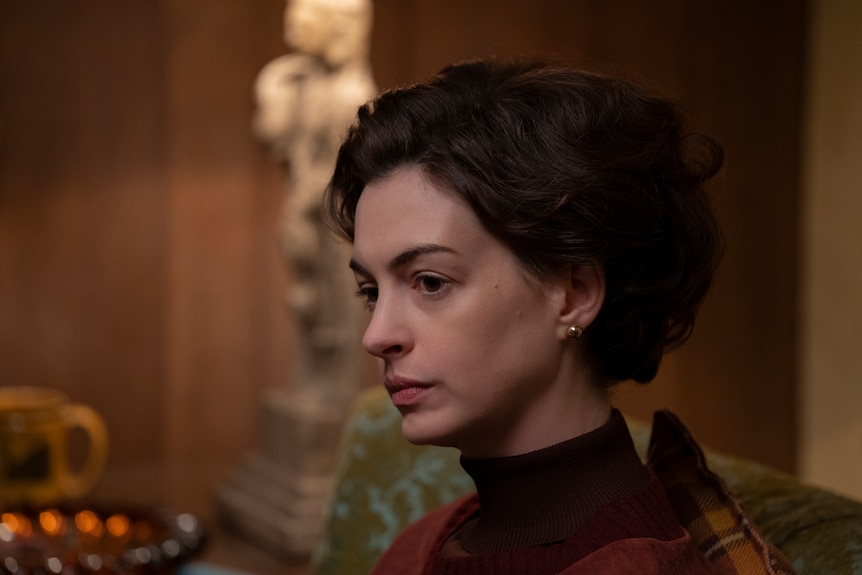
[555, 414]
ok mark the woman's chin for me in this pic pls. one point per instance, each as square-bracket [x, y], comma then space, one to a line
[422, 432]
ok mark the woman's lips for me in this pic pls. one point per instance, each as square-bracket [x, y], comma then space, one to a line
[405, 392]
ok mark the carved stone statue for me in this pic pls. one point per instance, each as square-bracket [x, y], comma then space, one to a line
[306, 100]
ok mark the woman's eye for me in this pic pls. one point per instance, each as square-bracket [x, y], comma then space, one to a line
[368, 295]
[432, 284]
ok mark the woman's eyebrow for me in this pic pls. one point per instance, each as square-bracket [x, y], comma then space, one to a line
[355, 266]
[408, 256]
[404, 257]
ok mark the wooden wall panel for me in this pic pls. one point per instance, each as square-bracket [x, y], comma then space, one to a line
[82, 208]
[222, 190]
[138, 264]
[137, 218]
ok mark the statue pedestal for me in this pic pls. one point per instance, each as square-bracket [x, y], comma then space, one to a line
[278, 497]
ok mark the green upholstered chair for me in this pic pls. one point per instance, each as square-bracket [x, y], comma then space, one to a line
[384, 483]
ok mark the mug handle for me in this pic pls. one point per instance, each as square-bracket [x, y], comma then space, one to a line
[85, 417]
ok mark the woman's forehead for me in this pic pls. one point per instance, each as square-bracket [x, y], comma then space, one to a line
[406, 211]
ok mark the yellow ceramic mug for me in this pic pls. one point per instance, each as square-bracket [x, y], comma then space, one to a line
[35, 466]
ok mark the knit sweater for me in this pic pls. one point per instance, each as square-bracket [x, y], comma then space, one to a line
[587, 505]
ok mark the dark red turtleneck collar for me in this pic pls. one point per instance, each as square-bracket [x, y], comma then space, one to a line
[545, 496]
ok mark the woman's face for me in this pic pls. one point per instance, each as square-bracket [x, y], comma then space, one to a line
[471, 346]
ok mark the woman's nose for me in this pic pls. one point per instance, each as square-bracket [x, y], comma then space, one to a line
[387, 335]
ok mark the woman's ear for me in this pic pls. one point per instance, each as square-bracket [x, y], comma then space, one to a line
[584, 295]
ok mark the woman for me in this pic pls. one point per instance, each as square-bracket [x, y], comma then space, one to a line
[525, 236]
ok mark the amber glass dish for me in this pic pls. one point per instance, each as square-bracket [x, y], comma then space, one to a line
[104, 540]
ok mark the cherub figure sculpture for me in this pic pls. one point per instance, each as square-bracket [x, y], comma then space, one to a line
[305, 102]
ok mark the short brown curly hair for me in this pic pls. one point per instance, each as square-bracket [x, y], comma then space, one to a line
[565, 167]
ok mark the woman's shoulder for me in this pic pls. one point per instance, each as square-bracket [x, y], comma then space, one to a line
[442, 521]
[645, 556]
[413, 546]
